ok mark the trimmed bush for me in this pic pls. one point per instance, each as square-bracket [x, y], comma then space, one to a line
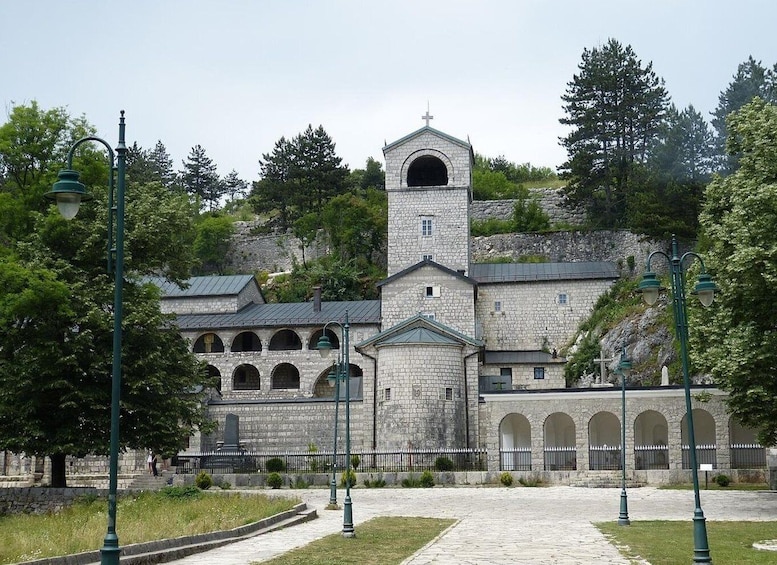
[352, 475]
[427, 479]
[506, 479]
[274, 480]
[723, 480]
[203, 480]
[275, 465]
[443, 464]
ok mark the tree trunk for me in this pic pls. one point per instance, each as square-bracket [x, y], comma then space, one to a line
[58, 479]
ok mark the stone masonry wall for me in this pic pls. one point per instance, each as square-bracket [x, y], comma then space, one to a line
[551, 200]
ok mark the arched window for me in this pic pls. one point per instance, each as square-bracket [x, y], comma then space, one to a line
[427, 171]
[285, 376]
[313, 342]
[322, 388]
[285, 340]
[246, 341]
[245, 377]
[515, 443]
[209, 343]
[214, 377]
[560, 450]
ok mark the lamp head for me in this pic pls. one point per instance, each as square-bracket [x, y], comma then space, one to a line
[68, 193]
[332, 377]
[649, 286]
[624, 365]
[705, 289]
[324, 346]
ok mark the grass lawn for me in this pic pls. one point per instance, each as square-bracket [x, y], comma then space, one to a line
[671, 542]
[380, 541]
[139, 518]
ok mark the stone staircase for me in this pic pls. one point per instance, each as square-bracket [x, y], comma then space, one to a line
[144, 481]
[603, 479]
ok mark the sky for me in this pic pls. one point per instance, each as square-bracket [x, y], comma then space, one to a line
[234, 76]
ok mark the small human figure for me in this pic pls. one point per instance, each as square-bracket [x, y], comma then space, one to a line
[153, 466]
[150, 461]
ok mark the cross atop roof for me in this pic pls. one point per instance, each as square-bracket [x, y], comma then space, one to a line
[426, 116]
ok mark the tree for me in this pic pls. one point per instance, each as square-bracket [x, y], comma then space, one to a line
[528, 215]
[751, 80]
[355, 226]
[145, 166]
[738, 342]
[56, 323]
[668, 200]
[616, 108]
[200, 179]
[299, 176]
[211, 245]
[233, 186]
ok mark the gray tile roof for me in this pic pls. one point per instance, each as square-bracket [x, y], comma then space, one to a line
[420, 335]
[282, 315]
[426, 263]
[431, 130]
[528, 272]
[204, 286]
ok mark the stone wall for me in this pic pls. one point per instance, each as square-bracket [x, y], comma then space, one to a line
[551, 200]
[39, 500]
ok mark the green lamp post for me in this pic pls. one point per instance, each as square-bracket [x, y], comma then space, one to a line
[705, 289]
[342, 371]
[624, 368]
[68, 193]
[334, 381]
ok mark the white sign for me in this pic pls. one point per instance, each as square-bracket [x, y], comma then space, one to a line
[705, 466]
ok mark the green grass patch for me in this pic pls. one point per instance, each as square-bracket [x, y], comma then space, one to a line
[671, 542]
[380, 541]
[712, 485]
[144, 517]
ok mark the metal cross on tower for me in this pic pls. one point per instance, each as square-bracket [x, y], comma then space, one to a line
[427, 117]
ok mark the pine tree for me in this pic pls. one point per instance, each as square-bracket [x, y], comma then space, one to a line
[200, 179]
[616, 108]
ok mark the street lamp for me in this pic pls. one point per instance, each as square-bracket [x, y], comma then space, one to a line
[624, 368]
[334, 381]
[68, 193]
[342, 371]
[705, 289]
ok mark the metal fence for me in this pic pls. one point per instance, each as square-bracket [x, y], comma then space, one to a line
[705, 455]
[227, 462]
[748, 456]
[561, 458]
[515, 459]
[651, 457]
[604, 458]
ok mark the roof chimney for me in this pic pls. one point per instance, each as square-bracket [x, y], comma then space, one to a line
[316, 299]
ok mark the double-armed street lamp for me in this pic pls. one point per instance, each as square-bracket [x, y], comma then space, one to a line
[624, 368]
[705, 289]
[341, 372]
[68, 193]
[334, 381]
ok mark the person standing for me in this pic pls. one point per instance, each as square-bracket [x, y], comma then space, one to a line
[150, 462]
[153, 466]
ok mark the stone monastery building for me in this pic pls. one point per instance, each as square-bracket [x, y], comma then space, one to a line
[454, 355]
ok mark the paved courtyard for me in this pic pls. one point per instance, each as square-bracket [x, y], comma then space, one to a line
[499, 525]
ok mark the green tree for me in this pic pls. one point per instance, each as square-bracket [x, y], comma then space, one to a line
[233, 186]
[299, 176]
[751, 80]
[356, 227]
[211, 245]
[56, 322]
[528, 215]
[669, 199]
[200, 179]
[616, 109]
[738, 344]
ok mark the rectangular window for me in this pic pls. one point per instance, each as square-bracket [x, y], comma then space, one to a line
[426, 227]
[426, 258]
[563, 299]
[387, 394]
[505, 381]
[539, 373]
[497, 306]
[432, 291]
[448, 394]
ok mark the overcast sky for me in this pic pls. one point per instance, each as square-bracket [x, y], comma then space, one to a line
[235, 76]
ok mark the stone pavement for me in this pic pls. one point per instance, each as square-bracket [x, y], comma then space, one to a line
[499, 525]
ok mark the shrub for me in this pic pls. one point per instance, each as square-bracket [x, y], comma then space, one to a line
[274, 480]
[181, 492]
[530, 482]
[224, 485]
[443, 464]
[275, 465]
[375, 483]
[723, 480]
[506, 479]
[411, 481]
[427, 479]
[351, 474]
[203, 480]
[355, 460]
[300, 482]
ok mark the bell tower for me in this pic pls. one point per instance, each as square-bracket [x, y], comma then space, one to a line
[429, 188]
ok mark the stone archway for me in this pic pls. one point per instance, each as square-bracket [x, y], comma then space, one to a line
[515, 443]
[208, 343]
[284, 376]
[604, 441]
[246, 377]
[704, 434]
[560, 445]
[651, 441]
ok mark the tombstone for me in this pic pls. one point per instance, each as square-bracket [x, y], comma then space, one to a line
[231, 433]
[664, 376]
